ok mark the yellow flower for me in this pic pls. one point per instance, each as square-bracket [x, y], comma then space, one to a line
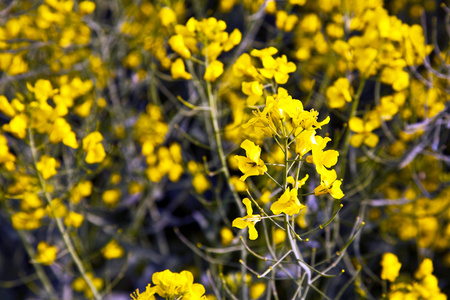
[6, 157]
[363, 129]
[278, 68]
[46, 254]
[111, 197]
[329, 184]
[73, 219]
[248, 221]
[47, 166]
[243, 66]
[177, 285]
[213, 71]
[226, 236]
[234, 39]
[284, 21]
[201, 183]
[58, 207]
[86, 7]
[257, 289]
[27, 221]
[425, 269]
[288, 203]
[62, 131]
[42, 90]
[94, 148]
[167, 16]
[176, 42]
[321, 158]
[82, 189]
[112, 250]
[178, 70]
[339, 93]
[149, 294]
[17, 126]
[6, 108]
[80, 285]
[252, 165]
[254, 91]
[390, 266]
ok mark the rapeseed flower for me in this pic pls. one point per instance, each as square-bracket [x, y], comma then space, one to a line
[252, 164]
[47, 166]
[390, 266]
[94, 148]
[46, 254]
[329, 184]
[288, 203]
[112, 250]
[248, 221]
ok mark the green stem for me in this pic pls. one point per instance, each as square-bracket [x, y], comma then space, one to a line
[214, 120]
[59, 223]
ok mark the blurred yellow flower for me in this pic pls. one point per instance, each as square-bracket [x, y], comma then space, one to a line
[46, 254]
[112, 250]
[390, 266]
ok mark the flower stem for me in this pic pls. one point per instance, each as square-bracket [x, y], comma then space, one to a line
[59, 223]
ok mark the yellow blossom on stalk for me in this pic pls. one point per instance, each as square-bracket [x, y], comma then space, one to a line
[425, 269]
[390, 266]
[201, 183]
[111, 197]
[17, 126]
[149, 294]
[80, 285]
[42, 90]
[177, 285]
[254, 91]
[226, 236]
[304, 142]
[213, 71]
[6, 108]
[178, 70]
[278, 68]
[176, 42]
[329, 184]
[234, 39]
[243, 66]
[271, 7]
[252, 164]
[86, 7]
[62, 131]
[59, 209]
[321, 158]
[363, 129]
[46, 254]
[47, 166]
[6, 157]
[257, 289]
[339, 93]
[112, 250]
[248, 221]
[284, 21]
[288, 203]
[94, 148]
[73, 219]
[167, 16]
[27, 220]
[82, 189]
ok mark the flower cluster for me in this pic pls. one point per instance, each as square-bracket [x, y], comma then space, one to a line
[172, 286]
